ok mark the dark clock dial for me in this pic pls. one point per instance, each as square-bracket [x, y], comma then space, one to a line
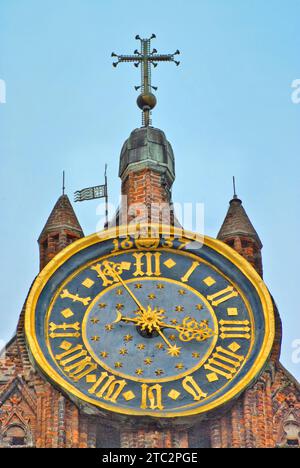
[159, 342]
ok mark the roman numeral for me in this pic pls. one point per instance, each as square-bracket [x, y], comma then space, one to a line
[152, 397]
[147, 264]
[106, 271]
[224, 362]
[235, 329]
[75, 297]
[190, 271]
[77, 369]
[190, 385]
[60, 331]
[222, 296]
[108, 387]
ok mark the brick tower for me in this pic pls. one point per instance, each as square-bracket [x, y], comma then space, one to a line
[30, 408]
[33, 413]
[267, 415]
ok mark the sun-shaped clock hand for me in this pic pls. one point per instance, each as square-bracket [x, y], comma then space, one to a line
[152, 319]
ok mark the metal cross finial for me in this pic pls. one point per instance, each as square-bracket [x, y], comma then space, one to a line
[146, 101]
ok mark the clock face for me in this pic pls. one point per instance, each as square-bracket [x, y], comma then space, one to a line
[161, 326]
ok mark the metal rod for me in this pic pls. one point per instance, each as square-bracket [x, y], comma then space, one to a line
[234, 188]
[106, 196]
[63, 187]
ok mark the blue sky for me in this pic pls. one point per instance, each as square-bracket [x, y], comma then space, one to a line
[226, 110]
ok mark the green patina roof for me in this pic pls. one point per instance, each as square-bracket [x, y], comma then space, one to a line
[148, 147]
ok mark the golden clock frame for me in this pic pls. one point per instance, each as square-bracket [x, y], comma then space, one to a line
[123, 231]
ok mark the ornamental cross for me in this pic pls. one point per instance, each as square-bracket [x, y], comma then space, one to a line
[146, 101]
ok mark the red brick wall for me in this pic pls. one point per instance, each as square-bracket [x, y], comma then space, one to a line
[148, 198]
[27, 402]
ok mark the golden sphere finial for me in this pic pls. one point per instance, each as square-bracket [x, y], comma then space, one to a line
[146, 101]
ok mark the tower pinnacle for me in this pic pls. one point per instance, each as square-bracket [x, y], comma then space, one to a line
[238, 232]
[61, 229]
[145, 58]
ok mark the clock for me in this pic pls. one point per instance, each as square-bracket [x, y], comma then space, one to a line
[149, 322]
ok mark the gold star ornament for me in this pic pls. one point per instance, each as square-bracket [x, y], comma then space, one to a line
[128, 338]
[182, 292]
[179, 366]
[174, 351]
[152, 297]
[160, 346]
[95, 338]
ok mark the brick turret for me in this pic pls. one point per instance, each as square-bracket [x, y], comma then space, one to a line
[147, 171]
[61, 229]
[238, 232]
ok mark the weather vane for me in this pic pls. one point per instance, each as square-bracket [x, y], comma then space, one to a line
[145, 58]
[91, 193]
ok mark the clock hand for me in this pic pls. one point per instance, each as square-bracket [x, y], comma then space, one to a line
[116, 274]
[120, 318]
[173, 349]
[188, 330]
